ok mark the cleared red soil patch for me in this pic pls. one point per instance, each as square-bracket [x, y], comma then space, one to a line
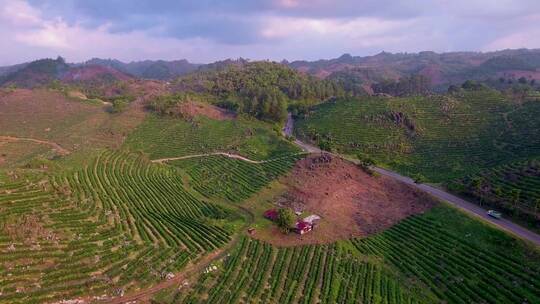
[350, 202]
[192, 109]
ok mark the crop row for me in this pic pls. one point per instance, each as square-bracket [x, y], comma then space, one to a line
[162, 137]
[232, 179]
[513, 187]
[440, 137]
[260, 273]
[120, 222]
[454, 269]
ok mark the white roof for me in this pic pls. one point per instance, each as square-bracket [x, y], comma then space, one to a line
[312, 218]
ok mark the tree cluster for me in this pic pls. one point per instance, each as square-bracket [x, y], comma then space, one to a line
[405, 86]
[261, 89]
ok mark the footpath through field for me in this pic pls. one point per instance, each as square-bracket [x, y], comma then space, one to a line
[54, 145]
[229, 155]
[464, 205]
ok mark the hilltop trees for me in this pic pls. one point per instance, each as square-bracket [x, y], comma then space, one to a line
[406, 86]
[261, 89]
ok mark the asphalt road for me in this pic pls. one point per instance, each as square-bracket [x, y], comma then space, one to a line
[464, 205]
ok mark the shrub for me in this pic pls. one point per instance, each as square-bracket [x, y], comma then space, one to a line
[286, 219]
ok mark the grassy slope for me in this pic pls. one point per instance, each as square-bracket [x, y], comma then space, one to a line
[162, 137]
[72, 123]
[453, 136]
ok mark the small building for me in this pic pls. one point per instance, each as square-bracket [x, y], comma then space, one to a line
[271, 214]
[302, 227]
[312, 219]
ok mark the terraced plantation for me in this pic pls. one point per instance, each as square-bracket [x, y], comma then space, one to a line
[439, 137]
[457, 259]
[233, 179]
[513, 188]
[163, 137]
[424, 259]
[121, 222]
[260, 273]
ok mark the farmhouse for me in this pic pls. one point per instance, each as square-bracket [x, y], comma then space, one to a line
[303, 227]
[312, 219]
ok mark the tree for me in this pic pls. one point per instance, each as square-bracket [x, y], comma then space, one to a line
[286, 219]
[522, 80]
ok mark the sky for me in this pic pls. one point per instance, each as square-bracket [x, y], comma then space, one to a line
[208, 30]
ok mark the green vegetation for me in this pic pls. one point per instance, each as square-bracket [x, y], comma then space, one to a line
[162, 137]
[286, 219]
[120, 222]
[458, 259]
[233, 179]
[406, 86]
[439, 137]
[260, 89]
[513, 188]
[260, 273]
[439, 257]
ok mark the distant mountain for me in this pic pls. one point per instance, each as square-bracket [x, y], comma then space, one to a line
[442, 69]
[44, 71]
[94, 74]
[150, 69]
[36, 73]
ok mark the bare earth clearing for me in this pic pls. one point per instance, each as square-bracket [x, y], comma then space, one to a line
[351, 202]
[193, 109]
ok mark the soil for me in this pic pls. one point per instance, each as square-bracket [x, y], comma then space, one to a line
[192, 109]
[350, 202]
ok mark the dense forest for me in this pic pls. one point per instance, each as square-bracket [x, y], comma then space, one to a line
[261, 89]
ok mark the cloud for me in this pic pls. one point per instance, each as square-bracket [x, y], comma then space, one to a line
[208, 30]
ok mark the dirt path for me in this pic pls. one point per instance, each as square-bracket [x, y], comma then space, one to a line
[462, 204]
[56, 147]
[229, 155]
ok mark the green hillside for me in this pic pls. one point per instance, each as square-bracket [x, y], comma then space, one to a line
[164, 137]
[439, 137]
[513, 188]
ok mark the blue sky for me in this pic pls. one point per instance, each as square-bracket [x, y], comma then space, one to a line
[209, 30]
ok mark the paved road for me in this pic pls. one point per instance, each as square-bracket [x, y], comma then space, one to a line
[466, 206]
[436, 192]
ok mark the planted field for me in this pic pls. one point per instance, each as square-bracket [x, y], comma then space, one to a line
[260, 273]
[440, 137]
[163, 137]
[441, 256]
[233, 179]
[121, 222]
[458, 259]
[513, 188]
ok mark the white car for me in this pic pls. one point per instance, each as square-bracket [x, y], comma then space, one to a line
[494, 214]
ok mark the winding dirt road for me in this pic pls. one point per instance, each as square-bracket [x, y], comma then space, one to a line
[56, 147]
[229, 155]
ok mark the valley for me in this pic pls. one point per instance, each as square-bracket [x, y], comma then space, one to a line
[256, 183]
